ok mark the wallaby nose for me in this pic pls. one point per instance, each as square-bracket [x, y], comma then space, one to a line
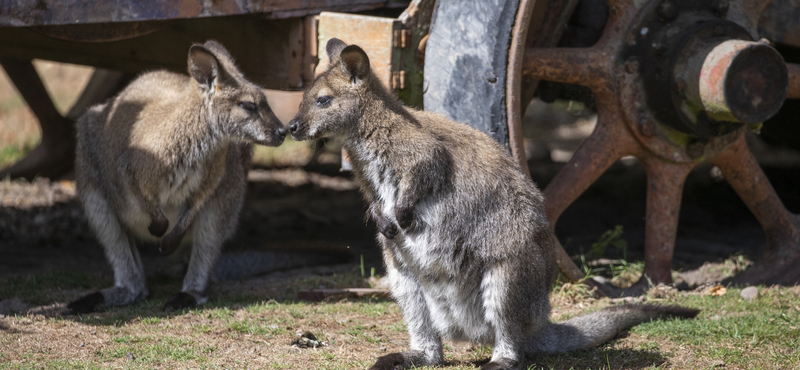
[282, 132]
[293, 127]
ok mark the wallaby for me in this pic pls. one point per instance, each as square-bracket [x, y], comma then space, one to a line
[468, 249]
[166, 162]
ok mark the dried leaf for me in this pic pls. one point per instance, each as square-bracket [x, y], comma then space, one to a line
[717, 290]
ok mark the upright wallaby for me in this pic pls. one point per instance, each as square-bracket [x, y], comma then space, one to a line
[466, 242]
[166, 161]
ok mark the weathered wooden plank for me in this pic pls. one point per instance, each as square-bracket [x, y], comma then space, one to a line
[373, 34]
[17, 13]
[269, 52]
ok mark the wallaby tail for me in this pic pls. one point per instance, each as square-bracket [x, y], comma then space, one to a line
[593, 329]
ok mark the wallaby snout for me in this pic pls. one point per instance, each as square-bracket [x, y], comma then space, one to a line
[295, 129]
[267, 130]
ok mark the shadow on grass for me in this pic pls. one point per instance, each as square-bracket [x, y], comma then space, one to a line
[599, 358]
[43, 290]
[594, 358]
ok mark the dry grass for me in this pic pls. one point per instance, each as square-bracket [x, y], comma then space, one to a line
[251, 325]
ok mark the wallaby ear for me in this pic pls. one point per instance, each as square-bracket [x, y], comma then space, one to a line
[355, 63]
[334, 47]
[203, 66]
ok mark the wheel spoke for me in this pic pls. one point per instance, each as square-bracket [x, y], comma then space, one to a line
[746, 12]
[581, 66]
[664, 189]
[609, 142]
[742, 171]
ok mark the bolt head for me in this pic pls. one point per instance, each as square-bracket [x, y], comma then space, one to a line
[667, 11]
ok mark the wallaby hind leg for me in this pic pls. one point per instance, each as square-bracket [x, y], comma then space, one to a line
[129, 279]
[208, 235]
[510, 314]
[425, 344]
[214, 224]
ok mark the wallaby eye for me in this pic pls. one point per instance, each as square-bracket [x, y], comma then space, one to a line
[248, 106]
[324, 100]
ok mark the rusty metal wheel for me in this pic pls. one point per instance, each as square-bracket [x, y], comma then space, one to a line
[676, 83]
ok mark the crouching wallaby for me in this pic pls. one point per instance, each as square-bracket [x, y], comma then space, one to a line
[468, 249]
[165, 162]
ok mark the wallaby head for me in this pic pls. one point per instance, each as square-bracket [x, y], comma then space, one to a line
[333, 103]
[234, 106]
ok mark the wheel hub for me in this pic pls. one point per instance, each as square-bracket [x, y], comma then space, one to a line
[675, 40]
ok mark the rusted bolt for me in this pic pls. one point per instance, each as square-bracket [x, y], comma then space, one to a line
[695, 150]
[632, 66]
[647, 127]
[721, 8]
[667, 11]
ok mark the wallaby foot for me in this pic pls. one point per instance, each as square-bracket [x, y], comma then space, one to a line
[88, 303]
[400, 360]
[501, 365]
[180, 301]
[158, 226]
[392, 361]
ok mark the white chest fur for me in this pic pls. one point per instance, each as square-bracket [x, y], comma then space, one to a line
[455, 302]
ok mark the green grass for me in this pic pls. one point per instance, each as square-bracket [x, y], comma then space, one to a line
[37, 289]
[763, 333]
[10, 154]
[745, 333]
[152, 350]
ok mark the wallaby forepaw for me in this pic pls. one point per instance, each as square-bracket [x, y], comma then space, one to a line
[389, 230]
[392, 361]
[158, 227]
[88, 303]
[170, 243]
[180, 301]
[405, 217]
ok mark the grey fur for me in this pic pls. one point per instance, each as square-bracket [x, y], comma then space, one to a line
[465, 239]
[166, 161]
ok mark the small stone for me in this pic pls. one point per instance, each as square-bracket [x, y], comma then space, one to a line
[81, 345]
[750, 293]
